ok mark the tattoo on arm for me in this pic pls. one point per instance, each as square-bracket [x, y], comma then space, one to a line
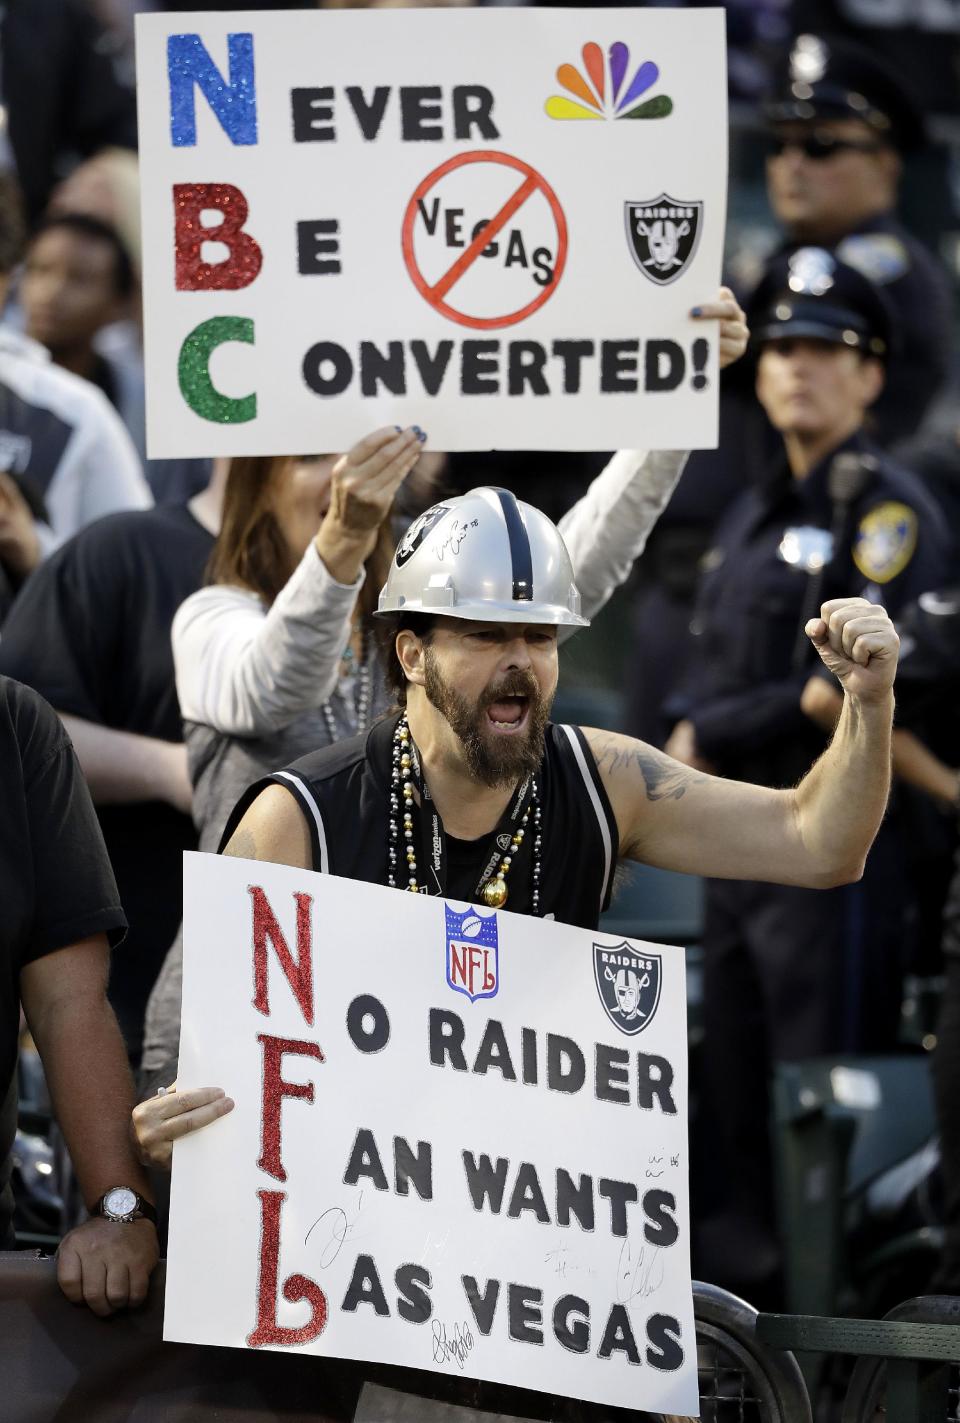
[242, 845]
[664, 778]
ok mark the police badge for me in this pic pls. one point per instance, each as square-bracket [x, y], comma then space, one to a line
[628, 982]
[663, 235]
[885, 541]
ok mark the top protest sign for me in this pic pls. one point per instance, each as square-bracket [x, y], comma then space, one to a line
[492, 223]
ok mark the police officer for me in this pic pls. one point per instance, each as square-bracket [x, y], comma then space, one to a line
[790, 973]
[839, 128]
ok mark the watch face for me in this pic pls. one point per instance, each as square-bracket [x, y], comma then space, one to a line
[120, 1201]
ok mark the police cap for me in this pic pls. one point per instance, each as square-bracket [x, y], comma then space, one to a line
[828, 78]
[809, 292]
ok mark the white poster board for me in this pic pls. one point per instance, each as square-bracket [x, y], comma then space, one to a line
[459, 1140]
[492, 223]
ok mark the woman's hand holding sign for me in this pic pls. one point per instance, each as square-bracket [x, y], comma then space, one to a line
[363, 485]
[734, 333]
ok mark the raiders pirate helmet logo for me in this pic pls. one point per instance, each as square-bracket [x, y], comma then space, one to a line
[629, 985]
[418, 531]
[663, 234]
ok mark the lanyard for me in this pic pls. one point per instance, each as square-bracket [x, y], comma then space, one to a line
[433, 838]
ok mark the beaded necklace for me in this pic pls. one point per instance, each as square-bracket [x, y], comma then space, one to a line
[358, 715]
[505, 842]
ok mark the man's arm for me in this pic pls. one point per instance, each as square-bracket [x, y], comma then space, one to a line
[104, 1263]
[816, 834]
[121, 767]
[274, 829]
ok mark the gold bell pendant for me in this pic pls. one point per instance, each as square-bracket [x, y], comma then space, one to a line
[494, 893]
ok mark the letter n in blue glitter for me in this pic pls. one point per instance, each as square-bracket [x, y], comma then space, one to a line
[235, 103]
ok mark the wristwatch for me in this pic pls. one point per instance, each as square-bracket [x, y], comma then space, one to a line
[123, 1205]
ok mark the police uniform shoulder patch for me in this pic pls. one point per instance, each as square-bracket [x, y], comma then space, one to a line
[885, 541]
[878, 256]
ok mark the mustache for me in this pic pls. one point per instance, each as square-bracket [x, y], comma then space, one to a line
[514, 684]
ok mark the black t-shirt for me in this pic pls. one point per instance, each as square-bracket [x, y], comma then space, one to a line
[344, 791]
[56, 885]
[90, 631]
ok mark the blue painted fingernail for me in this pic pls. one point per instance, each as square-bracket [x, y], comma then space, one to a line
[420, 434]
[398, 430]
[696, 310]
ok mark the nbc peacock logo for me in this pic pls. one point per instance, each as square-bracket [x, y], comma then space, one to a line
[600, 90]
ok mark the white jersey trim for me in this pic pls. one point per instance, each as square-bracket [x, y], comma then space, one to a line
[305, 796]
[595, 801]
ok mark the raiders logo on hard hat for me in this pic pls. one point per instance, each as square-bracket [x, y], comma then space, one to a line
[663, 235]
[418, 531]
[628, 983]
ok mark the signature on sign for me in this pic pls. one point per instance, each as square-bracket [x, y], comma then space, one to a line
[336, 1225]
[456, 1348]
[638, 1276]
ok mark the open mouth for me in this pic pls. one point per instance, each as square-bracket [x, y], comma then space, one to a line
[509, 714]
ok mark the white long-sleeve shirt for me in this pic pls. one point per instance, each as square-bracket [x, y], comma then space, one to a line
[607, 529]
[247, 670]
[63, 434]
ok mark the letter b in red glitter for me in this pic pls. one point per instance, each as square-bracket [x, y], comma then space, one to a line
[243, 264]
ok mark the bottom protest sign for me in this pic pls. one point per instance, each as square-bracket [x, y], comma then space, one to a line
[459, 1140]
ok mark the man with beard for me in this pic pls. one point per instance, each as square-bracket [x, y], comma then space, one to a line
[470, 792]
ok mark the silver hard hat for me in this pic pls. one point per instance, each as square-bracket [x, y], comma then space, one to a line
[485, 556]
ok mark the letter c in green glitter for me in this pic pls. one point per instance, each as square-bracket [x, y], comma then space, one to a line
[193, 371]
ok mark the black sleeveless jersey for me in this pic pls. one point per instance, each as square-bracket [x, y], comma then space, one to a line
[344, 793]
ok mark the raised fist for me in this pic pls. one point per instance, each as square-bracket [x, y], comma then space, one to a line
[859, 644]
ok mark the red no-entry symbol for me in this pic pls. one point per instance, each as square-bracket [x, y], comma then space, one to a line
[436, 292]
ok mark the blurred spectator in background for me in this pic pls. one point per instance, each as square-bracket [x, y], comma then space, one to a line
[839, 126]
[92, 225]
[91, 632]
[64, 449]
[106, 187]
[60, 908]
[792, 973]
[63, 96]
[77, 279]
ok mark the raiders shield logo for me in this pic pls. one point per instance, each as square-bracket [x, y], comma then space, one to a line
[629, 985]
[418, 531]
[663, 235]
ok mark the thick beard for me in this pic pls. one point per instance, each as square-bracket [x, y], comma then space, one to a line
[493, 763]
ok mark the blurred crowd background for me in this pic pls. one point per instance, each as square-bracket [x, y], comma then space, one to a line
[822, 1176]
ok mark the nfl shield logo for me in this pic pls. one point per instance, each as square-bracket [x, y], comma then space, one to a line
[629, 985]
[663, 235]
[473, 963]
